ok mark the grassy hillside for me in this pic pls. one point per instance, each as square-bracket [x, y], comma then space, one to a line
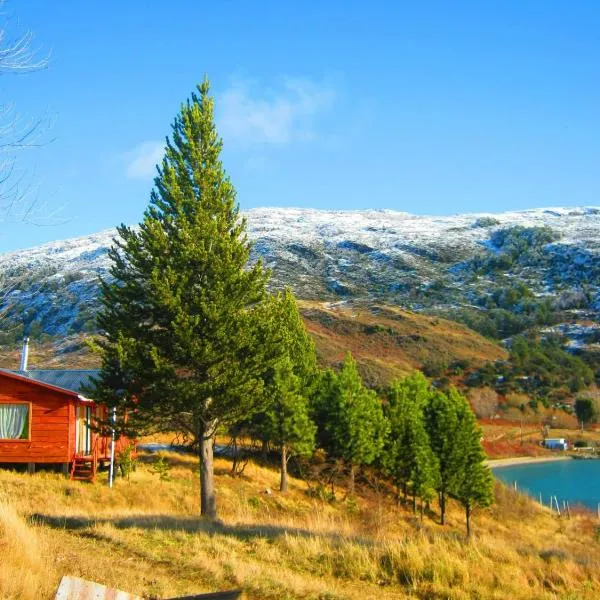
[67, 353]
[386, 341]
[143, 536]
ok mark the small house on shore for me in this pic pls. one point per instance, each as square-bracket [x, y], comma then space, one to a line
[46, 419]
[556, 444]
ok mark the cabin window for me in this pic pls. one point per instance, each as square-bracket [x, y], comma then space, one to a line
[14, 421]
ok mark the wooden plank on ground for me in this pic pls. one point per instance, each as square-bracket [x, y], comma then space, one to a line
[230, 595]
[74, 588]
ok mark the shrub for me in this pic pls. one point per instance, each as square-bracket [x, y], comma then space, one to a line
[126, 461]
[486, 222]
[162, 468]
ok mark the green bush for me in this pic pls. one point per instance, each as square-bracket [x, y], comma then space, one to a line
[126, 461]
[162, 468]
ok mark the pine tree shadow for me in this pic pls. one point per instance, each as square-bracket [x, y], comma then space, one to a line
[159, 522]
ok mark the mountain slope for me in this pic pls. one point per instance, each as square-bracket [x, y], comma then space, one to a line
[389, 342]
[456, 265]
[386, 341]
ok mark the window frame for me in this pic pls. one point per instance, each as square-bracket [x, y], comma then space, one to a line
[29, 419]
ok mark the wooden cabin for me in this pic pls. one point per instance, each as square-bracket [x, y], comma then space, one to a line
[46, 419]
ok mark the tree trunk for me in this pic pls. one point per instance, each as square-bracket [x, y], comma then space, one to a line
[443, 508]
[351, 480]
[283, 485]
[422, 509]
[468, 515]
[414, 503]
[234, 456]
[208, 499]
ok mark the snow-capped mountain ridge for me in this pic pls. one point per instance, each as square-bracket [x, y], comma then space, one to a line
[361, 255]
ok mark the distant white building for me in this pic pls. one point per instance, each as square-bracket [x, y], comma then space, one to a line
[556, 444]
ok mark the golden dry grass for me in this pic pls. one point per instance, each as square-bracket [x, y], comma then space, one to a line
[144, 536]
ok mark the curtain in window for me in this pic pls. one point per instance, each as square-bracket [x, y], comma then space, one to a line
[13, 418]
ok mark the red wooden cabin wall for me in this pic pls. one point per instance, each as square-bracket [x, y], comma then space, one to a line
[52, 437]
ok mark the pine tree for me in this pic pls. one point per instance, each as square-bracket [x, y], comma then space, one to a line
[351, 418]
[185, 335]
[475, 487]
[585, 410]
[407, 456]
[297, 344]
[425, 473]
[442, 422]
[286, 421]
[288, 385]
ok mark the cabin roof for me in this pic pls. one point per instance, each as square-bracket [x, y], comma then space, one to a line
[70, 380]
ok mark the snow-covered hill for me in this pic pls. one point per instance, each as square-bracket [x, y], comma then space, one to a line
[415, 261]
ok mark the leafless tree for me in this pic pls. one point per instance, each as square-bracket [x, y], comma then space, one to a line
[18, 55]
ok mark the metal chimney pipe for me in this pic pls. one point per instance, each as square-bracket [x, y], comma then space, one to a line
[24, 354]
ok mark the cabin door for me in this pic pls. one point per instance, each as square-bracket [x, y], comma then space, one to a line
[84, 429]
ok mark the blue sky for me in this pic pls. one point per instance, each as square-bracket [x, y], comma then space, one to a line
[425, 107]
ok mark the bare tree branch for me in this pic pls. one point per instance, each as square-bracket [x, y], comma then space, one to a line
[18, 55]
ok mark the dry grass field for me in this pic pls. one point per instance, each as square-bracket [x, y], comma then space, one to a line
[144, 536]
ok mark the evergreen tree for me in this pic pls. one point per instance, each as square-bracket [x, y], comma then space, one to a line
[297, 345]
[286, 421]
[475, 487]
[407, 456]
[322, 408]
[351, 419]
[442, 422]
[185, 336]
[288, 384]
[585, 410]
[425, 473]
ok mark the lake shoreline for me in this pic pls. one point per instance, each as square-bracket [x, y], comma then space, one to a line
[524, 460]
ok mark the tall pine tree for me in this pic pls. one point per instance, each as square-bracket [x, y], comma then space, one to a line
[185, 330]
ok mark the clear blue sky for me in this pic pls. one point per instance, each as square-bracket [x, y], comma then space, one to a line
[425, 107]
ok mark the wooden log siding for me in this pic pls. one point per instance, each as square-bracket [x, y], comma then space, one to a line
[52, 424]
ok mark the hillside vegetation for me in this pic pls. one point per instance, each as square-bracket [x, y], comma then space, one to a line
[389, 342]
[144, 537]
[386, 341]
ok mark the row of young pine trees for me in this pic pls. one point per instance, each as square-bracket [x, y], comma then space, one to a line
[192, 341]
[426, 441]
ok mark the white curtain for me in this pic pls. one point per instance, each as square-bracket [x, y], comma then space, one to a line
[13, 418]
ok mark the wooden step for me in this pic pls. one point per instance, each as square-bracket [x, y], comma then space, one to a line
[83, 468]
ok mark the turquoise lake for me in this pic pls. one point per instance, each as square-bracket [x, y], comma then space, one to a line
[576, 481]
